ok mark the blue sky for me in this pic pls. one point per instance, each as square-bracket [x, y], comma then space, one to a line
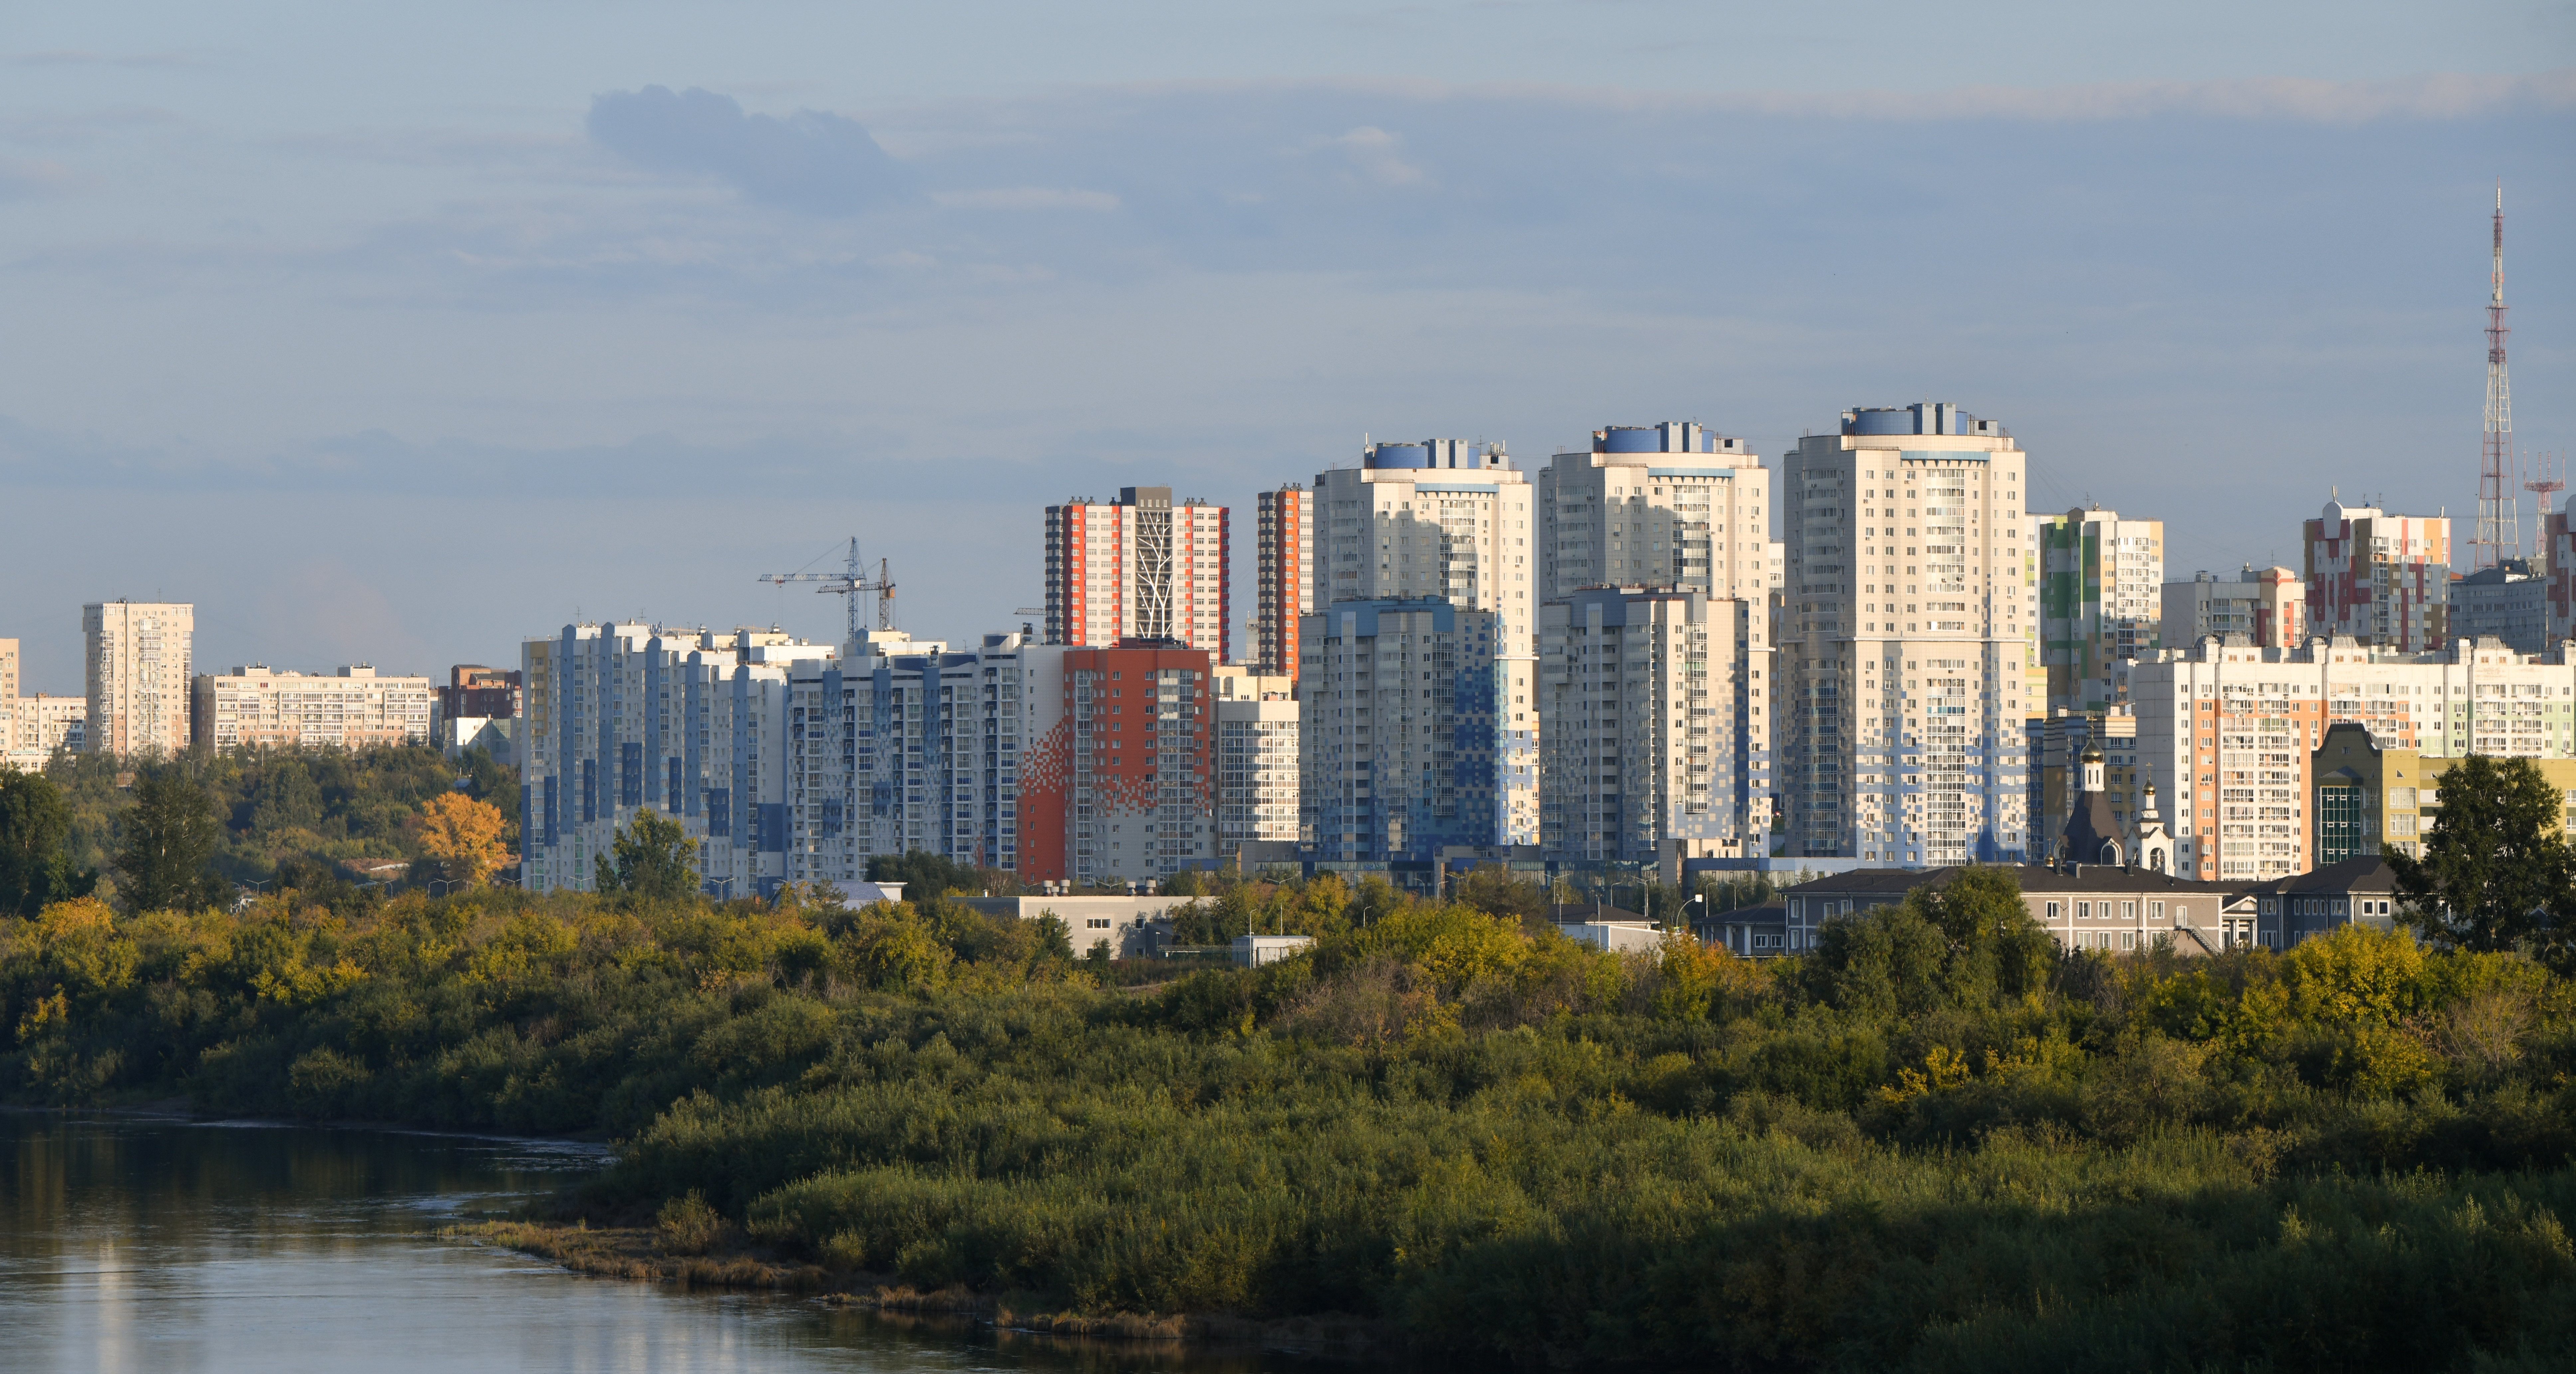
[398, 338]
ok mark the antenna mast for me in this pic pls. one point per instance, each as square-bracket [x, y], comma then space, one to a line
[2499, 514]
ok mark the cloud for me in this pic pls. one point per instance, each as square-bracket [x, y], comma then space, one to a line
[1372, 151]
[1025, 198]
[820, 163]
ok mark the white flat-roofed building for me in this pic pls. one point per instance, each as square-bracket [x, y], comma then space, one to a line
[256, 706]
[1905, 640]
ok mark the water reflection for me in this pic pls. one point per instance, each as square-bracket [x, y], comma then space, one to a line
[162, 1245]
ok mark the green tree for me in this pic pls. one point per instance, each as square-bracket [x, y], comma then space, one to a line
[654, 861]
[925, 876]
[35, 828]
[171, 836]
[2495, 860]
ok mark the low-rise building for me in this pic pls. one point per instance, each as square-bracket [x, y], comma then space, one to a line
[2371, 799]
[255, 706]
[2083, 906]
[2361, 891]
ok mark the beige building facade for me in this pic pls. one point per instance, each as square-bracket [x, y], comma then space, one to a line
[137, 670]
[258, 707]
[1670, 505]
[2230, 733]
[1906, 632]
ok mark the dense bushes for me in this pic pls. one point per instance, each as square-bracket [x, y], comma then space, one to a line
[1931, 1143]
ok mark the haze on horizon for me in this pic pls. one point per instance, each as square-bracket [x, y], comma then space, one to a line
[397, 338]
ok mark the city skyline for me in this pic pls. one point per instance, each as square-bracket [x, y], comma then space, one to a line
[605, 288]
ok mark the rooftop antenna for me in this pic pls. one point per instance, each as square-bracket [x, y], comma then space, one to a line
[2499, 513]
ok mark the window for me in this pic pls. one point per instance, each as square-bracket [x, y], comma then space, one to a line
[2083, 911]
[2052, 911]
[1096, 923]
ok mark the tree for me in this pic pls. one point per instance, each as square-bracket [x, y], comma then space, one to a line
[924, 875]
[463, 834]
[2494, 861]
[654, 861]
[171, 837]
[35, 828]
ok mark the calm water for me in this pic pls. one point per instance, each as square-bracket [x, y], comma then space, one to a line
[159, 1245]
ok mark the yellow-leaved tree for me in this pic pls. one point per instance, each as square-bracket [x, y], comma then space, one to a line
[463, 834]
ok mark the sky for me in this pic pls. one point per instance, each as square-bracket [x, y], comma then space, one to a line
[400, 337]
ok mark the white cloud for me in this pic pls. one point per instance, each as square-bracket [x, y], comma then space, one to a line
[1375, 152]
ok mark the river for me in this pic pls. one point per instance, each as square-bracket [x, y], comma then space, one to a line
[155, 1244]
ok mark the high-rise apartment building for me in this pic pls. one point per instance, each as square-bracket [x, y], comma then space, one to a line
[1903, 641]
[2382, 579]
[137, 671]
[1050, 761]
[1451, 521]
[1443, 518]
[2227, 732]
[2265, 607]
[1284, 562]
[8, 672]
[1414, 734]
[689, 723]
[1669, 505]
[1257, 718]
[2101, 596]
[255, 706]
[1138, 568]
[1654, 708]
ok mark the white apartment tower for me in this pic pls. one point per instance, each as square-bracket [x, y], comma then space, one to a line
[1443, 519]
[1256, 759]
[1138, 568]
[1669, 505]
[137, 673]
[1451, 521]
[1902, 641]
[1657, 725]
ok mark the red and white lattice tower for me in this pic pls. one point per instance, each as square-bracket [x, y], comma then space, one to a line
[2499, 511]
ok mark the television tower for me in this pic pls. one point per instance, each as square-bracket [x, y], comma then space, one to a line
[2499, 514]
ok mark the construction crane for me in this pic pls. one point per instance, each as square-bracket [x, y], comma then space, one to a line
[850, 582]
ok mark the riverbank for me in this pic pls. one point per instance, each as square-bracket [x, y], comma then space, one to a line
[645, 1253]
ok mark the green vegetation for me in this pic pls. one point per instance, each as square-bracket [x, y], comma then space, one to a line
[185, 831]
[2496, 872]
[1931, 1144]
